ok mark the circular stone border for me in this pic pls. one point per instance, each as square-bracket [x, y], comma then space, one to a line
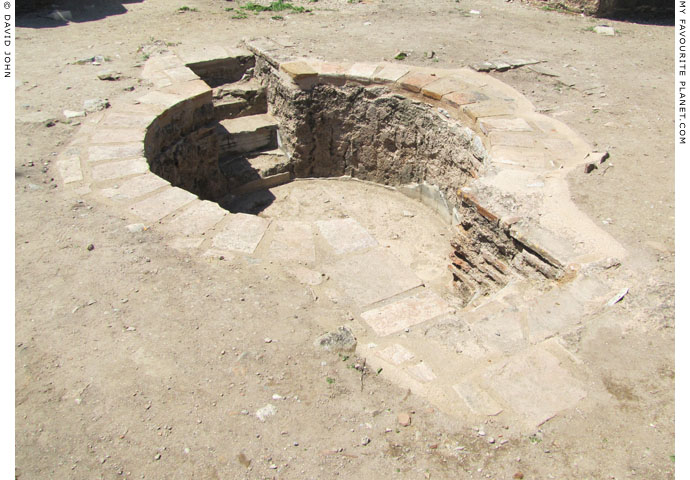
[527, 155]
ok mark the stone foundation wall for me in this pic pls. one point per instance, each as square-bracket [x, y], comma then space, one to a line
[371, 134]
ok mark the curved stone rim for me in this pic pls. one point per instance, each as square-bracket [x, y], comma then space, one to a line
[517, 144]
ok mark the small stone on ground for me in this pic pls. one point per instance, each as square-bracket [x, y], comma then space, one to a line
[605, 30]
[264, 412]
[96, 104]
[404, 419]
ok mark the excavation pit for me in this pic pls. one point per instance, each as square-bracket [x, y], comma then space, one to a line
[261, 126]
[431, 203]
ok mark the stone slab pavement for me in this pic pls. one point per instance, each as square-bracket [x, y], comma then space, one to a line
[372, 276]
[241, 233]
[292, 241]
[405, 313]
[345, 235]
[535, 385]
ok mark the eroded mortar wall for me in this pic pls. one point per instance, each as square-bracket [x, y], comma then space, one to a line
[371, 134]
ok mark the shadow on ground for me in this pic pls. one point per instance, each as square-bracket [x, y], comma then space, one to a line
[644, 18]
[252, 203]
[46, 14]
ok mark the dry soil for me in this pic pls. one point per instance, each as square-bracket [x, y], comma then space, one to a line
[133, 360]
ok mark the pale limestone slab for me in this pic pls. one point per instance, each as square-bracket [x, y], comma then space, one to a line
[587, 289]
[444, 86]
[298, 70]
[198, 218]
[561, 149]
[557, 311]
[476, 399]
[345, 235]
[372, 276]
[558, 145]
[118, 135]
[162, 204]
[151, 69]
[395, 354]
[422, 372]
[262, 46]
[70, 169]
[135, 187]
[82, 136]
[159, 79]
[242, 233]
[468, 346]
[160, 98]
[98, 153]
[546, 124]
[111, 170]
[362, 71]
[181, 74]
[120, 119]
[405, 313]
[237, 52]
[460, 99]
[556, 250]
[391, 73]
[488, 125]
[535, 386]
[485, 311]
[488, 109]
[292, 241]
[188, 89]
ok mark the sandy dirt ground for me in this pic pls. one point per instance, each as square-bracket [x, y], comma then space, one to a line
[133, 360]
